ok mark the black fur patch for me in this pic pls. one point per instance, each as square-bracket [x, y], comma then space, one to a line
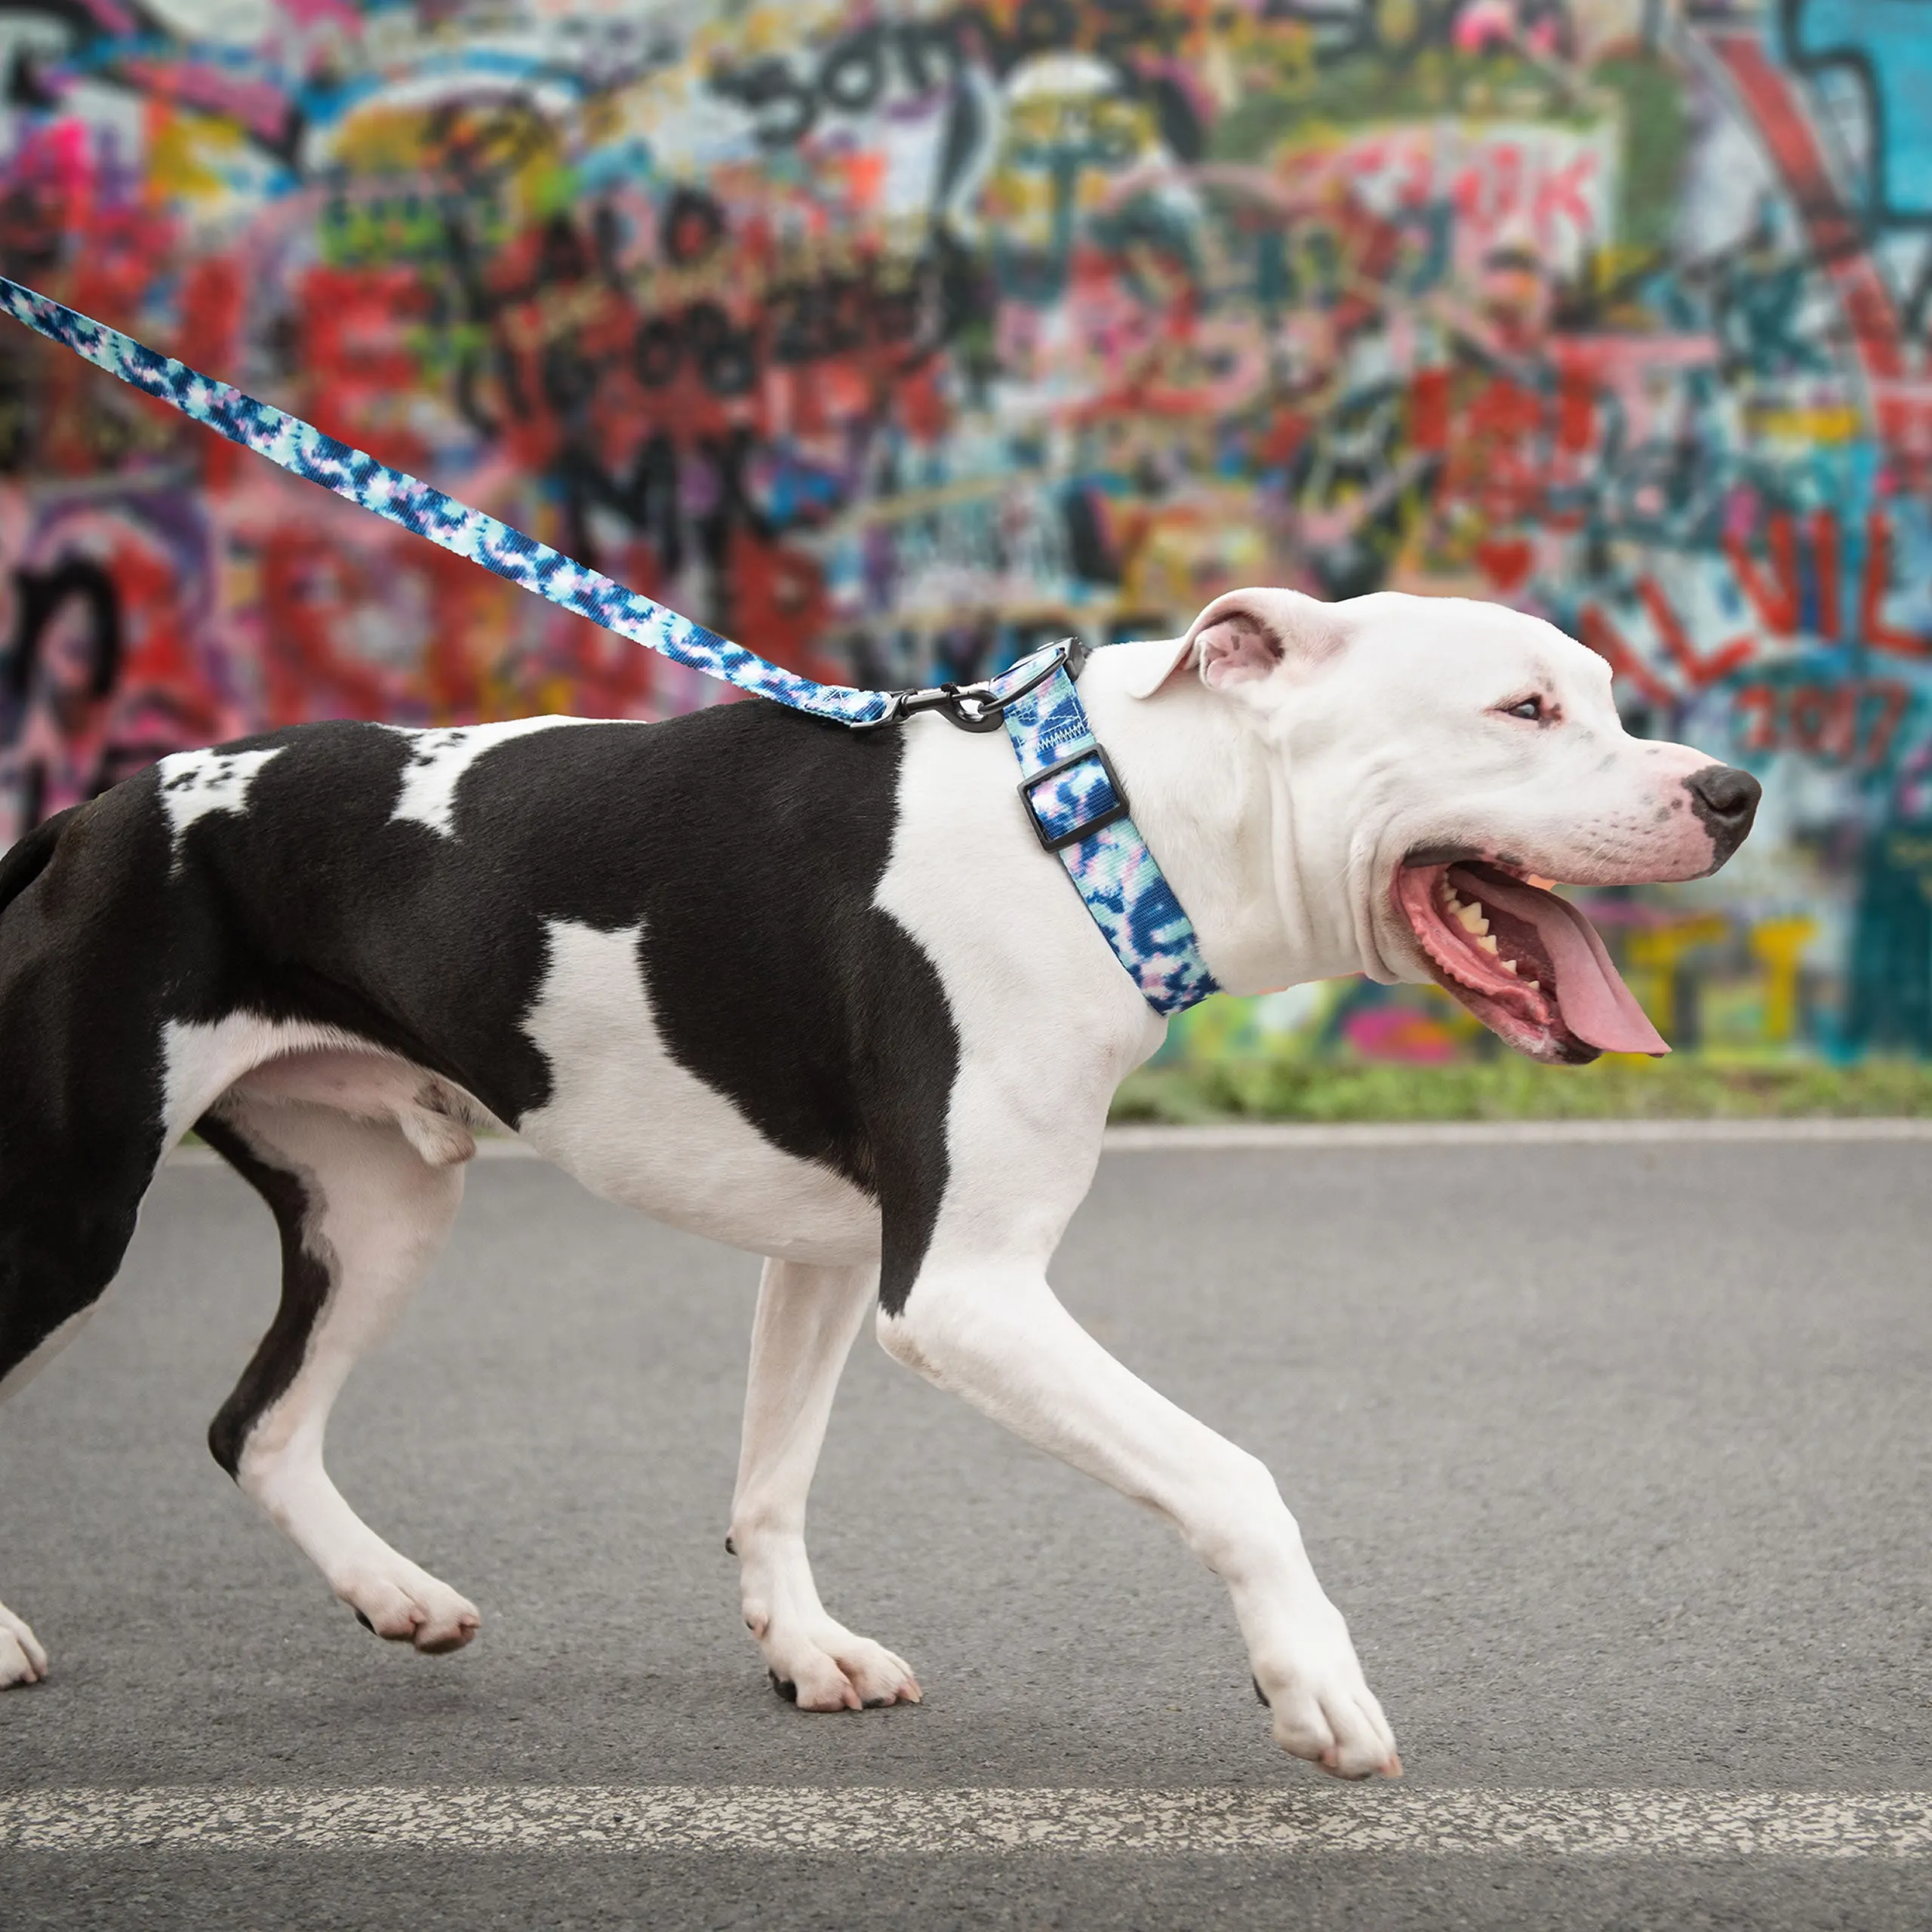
[28, 856]
[748, 841]
[305, 1292]
[84, 942]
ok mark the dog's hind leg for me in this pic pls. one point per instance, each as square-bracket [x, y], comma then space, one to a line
[66, 1215]
[363, 1214]
[26, 1346]
[807, 1319]
[25, 1349]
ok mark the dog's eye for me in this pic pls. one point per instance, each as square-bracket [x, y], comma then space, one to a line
[1530, 708]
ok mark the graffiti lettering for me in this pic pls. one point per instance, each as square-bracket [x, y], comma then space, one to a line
[1854, 723]
[895, 343]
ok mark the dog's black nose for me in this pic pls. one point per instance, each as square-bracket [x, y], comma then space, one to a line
[1726, 794]
[1726, 799]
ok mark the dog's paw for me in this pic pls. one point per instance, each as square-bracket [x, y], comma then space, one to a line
[407, 1605]
[1323, 1709]
[831, 1669]
[22, 1659]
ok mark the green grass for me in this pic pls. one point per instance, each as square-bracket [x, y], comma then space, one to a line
[1657, 136]
[1687, 1087]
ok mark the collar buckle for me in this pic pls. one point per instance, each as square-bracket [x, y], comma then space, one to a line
[1058, 841]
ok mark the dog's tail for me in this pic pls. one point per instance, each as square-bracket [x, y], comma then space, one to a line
[27, 858]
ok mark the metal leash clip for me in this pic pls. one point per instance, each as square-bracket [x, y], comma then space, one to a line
[981, 705]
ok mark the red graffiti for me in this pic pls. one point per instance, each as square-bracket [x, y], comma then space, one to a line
[1852, 724]
[1771, 93]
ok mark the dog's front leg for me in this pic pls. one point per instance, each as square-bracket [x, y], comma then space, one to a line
[996, 1334]
[807, 1318]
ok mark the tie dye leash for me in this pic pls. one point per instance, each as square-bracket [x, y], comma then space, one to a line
[1073, 799]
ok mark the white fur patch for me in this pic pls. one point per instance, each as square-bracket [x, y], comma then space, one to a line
[368, 1085]
[438, 759]
[204, 1060]
[633, 1125]
[195, 783]
[995, 914]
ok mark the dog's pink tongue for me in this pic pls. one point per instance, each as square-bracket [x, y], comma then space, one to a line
[1595, 1003]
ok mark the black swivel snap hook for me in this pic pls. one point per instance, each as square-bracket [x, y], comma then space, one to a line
[979, 706]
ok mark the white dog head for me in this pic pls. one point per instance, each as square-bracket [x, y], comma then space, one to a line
[1440, 755]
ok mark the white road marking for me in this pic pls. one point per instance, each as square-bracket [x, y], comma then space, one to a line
[738, 1818]
[1294, 1137]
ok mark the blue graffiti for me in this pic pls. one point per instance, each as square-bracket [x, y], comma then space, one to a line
[1888, 44]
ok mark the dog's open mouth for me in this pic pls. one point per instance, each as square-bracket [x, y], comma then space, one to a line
[1526, 963]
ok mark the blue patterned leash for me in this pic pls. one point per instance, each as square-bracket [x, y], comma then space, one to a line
[1072, 794]
[303, 450]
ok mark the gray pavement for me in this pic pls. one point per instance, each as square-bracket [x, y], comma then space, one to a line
[1619, 1459]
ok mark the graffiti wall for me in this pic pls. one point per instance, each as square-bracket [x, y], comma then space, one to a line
[892, 339]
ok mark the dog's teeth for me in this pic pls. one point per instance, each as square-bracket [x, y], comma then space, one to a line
[1488, 944]
[1508, 965]
[1471, 918]
[1533, 985]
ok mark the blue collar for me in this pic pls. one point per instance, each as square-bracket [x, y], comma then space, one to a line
[1078, 808]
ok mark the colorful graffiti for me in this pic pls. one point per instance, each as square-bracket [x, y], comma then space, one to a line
[892, 338]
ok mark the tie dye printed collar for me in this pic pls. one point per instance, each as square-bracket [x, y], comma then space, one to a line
[1079, 809]
[1068, 785]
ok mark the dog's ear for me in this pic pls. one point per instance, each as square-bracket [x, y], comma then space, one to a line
[1242, 638]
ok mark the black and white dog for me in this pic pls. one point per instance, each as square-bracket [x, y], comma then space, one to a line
[816, 993]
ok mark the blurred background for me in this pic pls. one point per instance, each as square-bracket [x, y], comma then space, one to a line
[895, 340]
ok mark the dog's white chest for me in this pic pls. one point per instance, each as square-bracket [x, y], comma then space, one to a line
[633, 1125]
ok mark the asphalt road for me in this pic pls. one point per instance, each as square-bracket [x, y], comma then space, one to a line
[1618, 1459]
